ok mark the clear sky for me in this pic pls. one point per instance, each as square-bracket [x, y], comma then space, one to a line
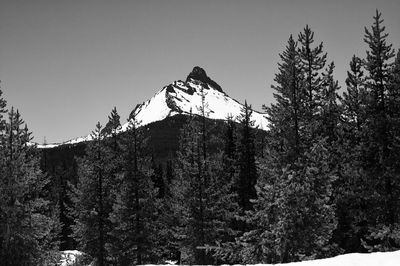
[66, 64]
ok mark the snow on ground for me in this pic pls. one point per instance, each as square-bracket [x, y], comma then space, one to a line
[353, 259]
[69, 257]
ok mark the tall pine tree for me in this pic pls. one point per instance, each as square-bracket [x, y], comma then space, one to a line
[381, 140]
[29, 225]
[312, 62]
[133, 214]
[202, 199]
[247, 176]
[352, 190]
[354, 98]
[92, 199]
[293, 217]
[287, 114]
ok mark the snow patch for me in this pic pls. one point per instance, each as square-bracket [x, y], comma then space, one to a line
[70, 257]
[153, 110]
[352, 259]
[218, 104]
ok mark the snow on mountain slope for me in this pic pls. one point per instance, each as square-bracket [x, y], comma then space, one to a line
[183, 97]
[153, 110]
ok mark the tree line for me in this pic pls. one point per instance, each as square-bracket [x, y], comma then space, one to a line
[326, 182]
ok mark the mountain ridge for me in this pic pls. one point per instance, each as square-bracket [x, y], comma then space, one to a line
[184, 97]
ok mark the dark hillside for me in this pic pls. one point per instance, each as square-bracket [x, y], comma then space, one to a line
[163, 141]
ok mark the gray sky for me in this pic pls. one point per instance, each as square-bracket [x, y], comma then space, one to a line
[65, 64]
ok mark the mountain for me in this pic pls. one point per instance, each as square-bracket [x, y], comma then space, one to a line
[162, 117]
[181, 98]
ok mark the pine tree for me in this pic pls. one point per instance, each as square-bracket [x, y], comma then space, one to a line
[312, 61]
[158, 178]
[394, 95]
[329, 106]
[133, 215]
[287, 114]
[112, 129]
[286, 142]
[91, 199]
[394, 90]
[189, 192]
[293, 216]
[28, 226]
[61, 177]
[394, 146]
[168, 223]
[230, 151]
[351, 189]
[3, 111]
[381, 139]
[353, 100]
[226, 162]
[112, 146]
[167, 242]
[112, 142]
[169, 171]
[201, 198]
[240, 174]
[222, 211]
[283, 147]
[247, 176]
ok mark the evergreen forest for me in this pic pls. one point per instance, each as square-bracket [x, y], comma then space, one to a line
[323, 180]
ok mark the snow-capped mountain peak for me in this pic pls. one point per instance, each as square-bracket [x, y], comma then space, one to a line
[185, 97]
